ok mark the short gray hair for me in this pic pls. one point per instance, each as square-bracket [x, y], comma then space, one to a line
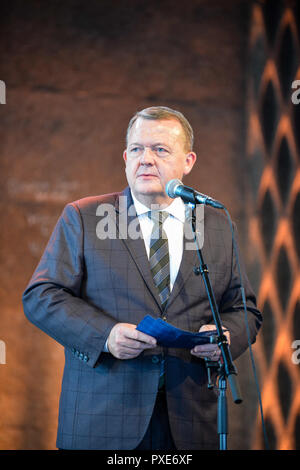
[163, 112]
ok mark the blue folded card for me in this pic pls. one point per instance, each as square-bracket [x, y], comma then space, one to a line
[169, 336]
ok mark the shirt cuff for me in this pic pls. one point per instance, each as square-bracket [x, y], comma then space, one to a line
[105, 347]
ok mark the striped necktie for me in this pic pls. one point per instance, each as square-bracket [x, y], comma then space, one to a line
[159, 256]
[160, 267]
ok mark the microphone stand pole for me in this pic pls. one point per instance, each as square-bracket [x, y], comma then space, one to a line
[227, 371]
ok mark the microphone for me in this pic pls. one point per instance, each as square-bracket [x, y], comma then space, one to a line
[175, 188]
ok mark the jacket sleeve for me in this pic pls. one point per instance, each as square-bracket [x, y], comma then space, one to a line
[242, 323]
[52, 300]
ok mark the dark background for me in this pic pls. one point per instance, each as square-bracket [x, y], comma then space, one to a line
[75, 73]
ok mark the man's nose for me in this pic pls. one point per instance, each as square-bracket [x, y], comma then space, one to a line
[147, 157]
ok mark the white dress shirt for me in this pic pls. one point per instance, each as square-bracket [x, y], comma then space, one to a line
[173, 226]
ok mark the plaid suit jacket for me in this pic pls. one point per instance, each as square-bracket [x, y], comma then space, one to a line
[84, 285]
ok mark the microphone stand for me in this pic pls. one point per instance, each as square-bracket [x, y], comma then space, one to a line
[225, 369]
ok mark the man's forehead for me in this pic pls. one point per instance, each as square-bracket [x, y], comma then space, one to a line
[167, 127]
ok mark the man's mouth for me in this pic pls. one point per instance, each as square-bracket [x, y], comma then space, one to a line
[147, 176]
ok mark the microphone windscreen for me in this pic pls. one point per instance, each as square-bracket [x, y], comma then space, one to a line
[171, 187]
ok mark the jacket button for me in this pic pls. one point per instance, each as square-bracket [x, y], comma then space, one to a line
[155, 359]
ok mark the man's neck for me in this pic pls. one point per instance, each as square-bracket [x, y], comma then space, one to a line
[150, 201]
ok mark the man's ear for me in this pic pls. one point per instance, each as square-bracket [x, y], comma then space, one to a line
[125, 156]
[190, 160]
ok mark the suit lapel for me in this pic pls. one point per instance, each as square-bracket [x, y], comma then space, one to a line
[127, 224]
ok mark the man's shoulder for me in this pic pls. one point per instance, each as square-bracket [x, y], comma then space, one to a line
[89, 204]
[216, 219]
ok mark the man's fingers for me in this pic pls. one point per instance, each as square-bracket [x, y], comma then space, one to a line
[136, 344]
[212, 327]
[129, 353]
[125, 341]
[133, 333]
[211, 351]
[128, 331]
[211, 355]
[205, 348]
[207, 327]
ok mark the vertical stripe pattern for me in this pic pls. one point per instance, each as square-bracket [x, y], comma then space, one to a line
[160, 266]
[159, 256]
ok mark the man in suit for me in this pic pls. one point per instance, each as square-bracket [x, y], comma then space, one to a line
[122, 390]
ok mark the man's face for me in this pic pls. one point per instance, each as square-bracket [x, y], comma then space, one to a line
[155, 154]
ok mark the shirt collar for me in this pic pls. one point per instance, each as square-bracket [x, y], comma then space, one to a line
[176, 208]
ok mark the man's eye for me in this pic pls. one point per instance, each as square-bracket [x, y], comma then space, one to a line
[161, 150]
[135, 149]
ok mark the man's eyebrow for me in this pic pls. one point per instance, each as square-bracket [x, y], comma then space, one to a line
[153, 145]
[135, 144]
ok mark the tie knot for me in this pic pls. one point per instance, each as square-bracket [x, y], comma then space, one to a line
[158, 216]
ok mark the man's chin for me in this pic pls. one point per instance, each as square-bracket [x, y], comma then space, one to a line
[149, 188]
[149, 194]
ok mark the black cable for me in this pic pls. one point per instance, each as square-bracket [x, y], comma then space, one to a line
[248, 332]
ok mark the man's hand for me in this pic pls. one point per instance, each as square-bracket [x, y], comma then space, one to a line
[126, 342]
[211, 351]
